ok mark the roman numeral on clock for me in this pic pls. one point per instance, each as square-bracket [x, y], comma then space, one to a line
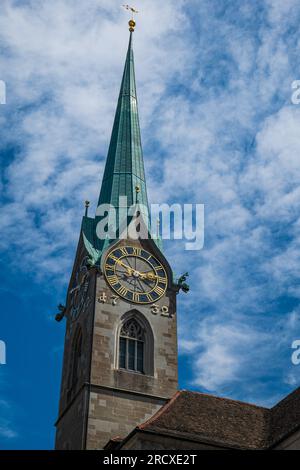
[149, 297]
[109, 267]
[113, 280]
[123, 291]
[135, 297]
[137, 251]
[158, 268]
[158, 290]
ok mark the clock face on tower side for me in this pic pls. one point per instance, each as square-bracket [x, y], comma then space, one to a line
[79, 292]
[135, 275]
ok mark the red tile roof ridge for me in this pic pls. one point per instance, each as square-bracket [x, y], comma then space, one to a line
[160, 411]
[209, 395]
[165, 407]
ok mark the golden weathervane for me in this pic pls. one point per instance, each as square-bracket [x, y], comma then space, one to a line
[133, 12]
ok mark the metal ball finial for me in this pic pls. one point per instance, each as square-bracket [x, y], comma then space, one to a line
[132, 24]
[133, 11]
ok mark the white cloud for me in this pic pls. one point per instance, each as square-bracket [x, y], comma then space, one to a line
[279, 11]
[214, 103]
[63, 72]
[7, 432]
[218, 364]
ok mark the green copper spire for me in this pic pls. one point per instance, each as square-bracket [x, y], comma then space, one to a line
[124, 173]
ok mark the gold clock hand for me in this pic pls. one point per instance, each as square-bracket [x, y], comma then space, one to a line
[128, 268]
[136, 273]
[149, 275]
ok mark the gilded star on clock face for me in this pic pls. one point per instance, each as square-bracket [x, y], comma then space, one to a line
[135, 275]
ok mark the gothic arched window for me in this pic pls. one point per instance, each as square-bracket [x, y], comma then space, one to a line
[131, 346]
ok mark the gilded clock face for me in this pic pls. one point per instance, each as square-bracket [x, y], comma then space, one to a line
[79, 292]
[135, 275]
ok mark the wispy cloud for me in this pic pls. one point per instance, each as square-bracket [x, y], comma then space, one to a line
[7, 432]
[218, 128]
[7, 429]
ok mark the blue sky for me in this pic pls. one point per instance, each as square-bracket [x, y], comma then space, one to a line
[218, 126]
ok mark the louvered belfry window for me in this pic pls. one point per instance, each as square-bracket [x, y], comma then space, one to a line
[131, 352]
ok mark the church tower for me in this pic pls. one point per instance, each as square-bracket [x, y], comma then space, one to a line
[120, 352]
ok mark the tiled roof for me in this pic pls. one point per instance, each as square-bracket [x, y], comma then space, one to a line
[285, 417]
[206, 418]
[223, 422]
